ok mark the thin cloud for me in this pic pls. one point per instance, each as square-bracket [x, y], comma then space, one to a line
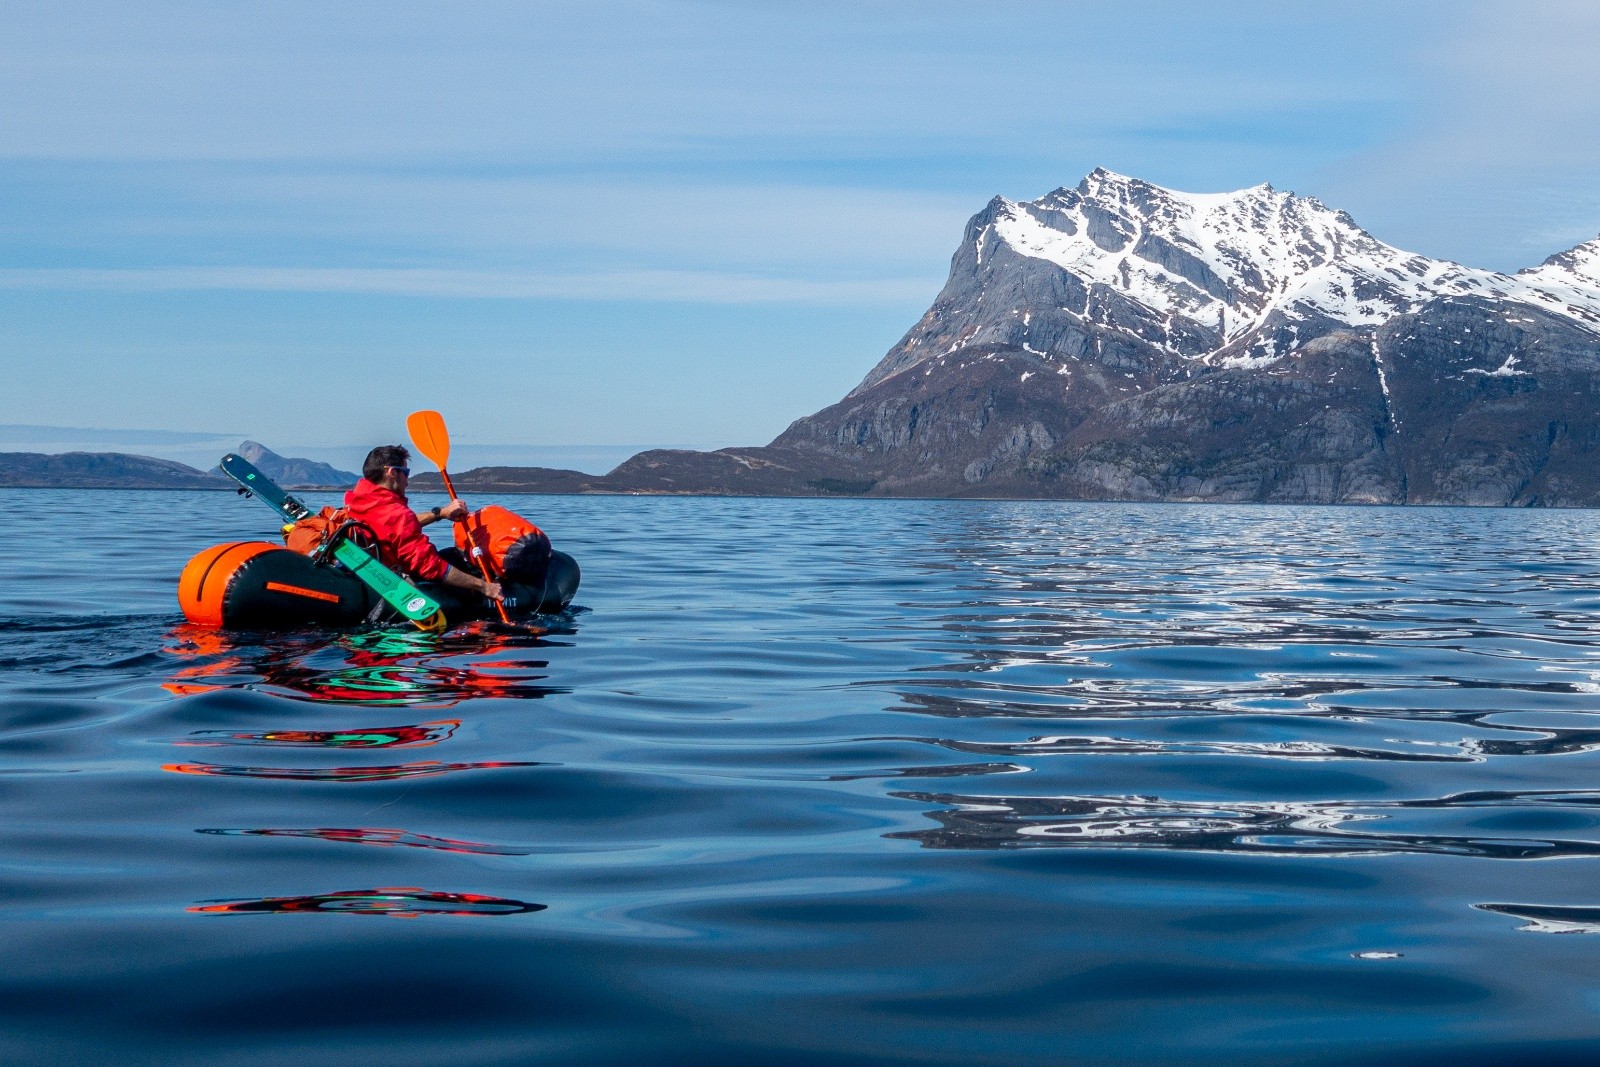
[664, 285]
[626, 79]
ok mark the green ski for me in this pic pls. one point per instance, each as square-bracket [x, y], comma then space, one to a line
[404, 597]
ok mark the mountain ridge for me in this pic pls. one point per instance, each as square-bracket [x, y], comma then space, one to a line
[294, 473]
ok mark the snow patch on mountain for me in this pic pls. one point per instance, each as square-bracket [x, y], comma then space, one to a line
[1572, 276]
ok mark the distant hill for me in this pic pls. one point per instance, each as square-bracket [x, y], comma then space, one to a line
[511, 480]
[294, 473]
[100, 470]
[121, 470]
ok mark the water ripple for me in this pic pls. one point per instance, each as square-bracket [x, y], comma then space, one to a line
[1272, 828]
[1551, 919]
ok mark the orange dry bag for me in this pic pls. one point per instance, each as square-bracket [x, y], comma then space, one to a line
[308, 535]
[519, 550]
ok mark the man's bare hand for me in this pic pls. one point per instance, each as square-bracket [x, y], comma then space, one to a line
[493, 591]
[455, 511]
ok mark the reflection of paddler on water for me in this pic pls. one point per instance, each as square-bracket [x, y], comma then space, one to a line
[370, 563]
[400, 902]
[419, 735]
[381, 668]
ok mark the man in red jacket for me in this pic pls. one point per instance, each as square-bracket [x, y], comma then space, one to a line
[379, 501]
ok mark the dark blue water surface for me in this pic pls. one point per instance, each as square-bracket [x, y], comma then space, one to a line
[818, 782]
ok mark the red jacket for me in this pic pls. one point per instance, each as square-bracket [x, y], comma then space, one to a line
[402, 544]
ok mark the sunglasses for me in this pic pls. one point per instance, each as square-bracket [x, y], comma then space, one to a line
[403, 470]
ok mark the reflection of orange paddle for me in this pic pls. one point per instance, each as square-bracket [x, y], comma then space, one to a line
[432, 438]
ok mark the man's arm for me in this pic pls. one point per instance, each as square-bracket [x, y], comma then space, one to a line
[452, 576]
[455, 511]
[459, 579]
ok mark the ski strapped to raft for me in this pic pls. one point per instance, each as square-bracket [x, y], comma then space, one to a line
[407, 599]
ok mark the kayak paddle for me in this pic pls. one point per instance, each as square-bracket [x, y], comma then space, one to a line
[432, 438]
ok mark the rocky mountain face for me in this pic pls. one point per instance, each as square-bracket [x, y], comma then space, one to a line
[1123, 341]
[292, 473]
[1194, 280]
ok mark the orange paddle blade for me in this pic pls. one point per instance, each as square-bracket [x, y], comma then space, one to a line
[428, 433]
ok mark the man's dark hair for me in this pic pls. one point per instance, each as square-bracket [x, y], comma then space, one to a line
[381, 459]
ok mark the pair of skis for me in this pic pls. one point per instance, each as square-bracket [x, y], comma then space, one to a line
[421, 609]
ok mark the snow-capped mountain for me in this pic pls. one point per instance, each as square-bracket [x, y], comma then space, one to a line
[1229, 279]
[1123, 341]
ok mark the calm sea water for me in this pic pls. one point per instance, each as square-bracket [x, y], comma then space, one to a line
[844, 782]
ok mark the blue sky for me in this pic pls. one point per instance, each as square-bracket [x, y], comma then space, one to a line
[636, 223]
